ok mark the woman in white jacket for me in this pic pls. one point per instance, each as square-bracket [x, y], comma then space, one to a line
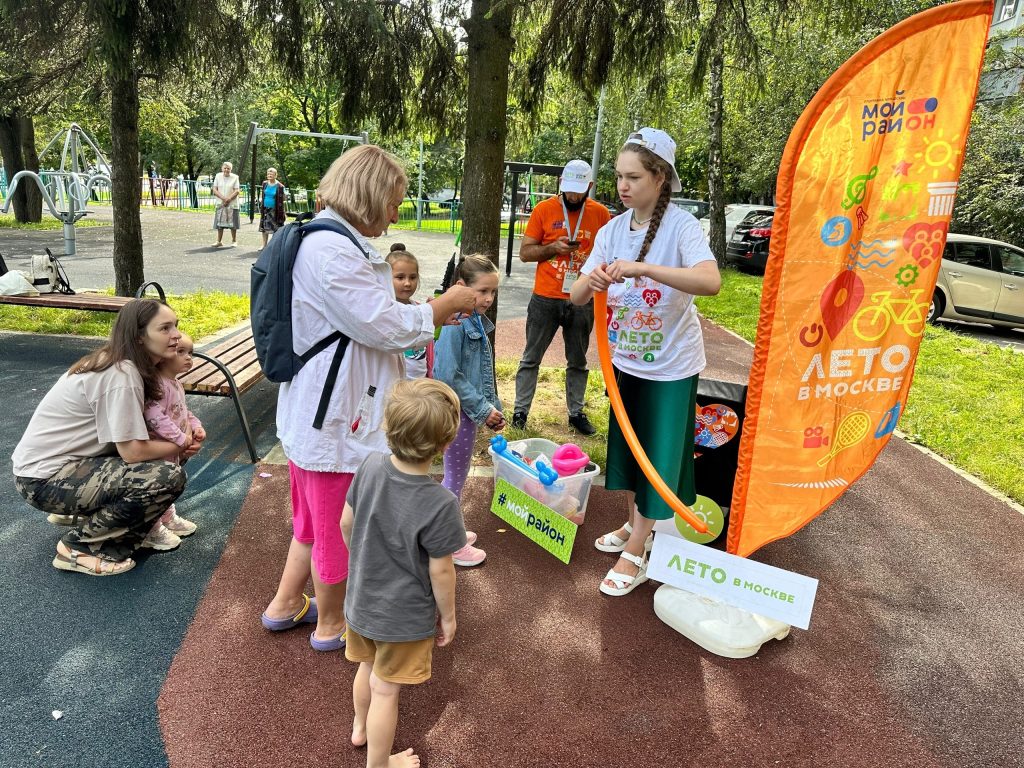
[339, 286]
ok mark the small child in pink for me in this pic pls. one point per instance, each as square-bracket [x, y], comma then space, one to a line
[170, 419]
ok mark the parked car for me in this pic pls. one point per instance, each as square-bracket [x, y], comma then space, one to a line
[980, 280]
[748, 246]
[698, 208]
[734, 214]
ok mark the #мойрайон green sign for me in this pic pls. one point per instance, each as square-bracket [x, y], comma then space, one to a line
[539, 523]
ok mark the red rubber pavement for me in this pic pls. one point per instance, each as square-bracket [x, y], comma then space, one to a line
[912, 658]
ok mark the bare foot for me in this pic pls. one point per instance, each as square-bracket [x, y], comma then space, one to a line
[404, 760]
[358, 734]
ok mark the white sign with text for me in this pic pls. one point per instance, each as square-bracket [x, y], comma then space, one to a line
[746, 584]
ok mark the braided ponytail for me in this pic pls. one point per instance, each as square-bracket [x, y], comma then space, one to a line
[659, 213]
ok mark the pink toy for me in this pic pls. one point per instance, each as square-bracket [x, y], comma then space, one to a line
[569, 459]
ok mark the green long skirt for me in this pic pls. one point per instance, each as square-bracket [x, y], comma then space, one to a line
[662, 415]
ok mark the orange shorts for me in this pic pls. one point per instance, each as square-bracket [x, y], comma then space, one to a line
[404, 663]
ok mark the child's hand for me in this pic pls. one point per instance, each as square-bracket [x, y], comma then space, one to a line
[445, 632]
[495, 420]
[199, 434]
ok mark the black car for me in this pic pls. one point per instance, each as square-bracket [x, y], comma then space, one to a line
[748, 246]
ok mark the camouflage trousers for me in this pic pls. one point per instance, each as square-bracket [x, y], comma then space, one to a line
[116, 501]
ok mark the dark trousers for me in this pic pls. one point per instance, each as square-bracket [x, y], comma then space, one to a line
[544, 316]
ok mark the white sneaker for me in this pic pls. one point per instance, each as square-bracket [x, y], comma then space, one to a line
[180, 527]
[162, 540]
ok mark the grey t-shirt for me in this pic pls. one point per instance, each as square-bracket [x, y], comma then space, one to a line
[400, 521]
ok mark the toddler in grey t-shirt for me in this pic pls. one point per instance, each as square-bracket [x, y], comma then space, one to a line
[401, 528]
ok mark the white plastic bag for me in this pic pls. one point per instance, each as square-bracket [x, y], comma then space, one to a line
[14, 283]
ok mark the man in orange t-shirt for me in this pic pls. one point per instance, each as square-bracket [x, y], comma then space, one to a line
[559, 237]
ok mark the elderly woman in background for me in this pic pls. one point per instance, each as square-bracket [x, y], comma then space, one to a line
[226, 189]
[271, 206]
[342, 284]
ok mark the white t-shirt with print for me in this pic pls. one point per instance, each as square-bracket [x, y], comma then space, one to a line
[653, 328]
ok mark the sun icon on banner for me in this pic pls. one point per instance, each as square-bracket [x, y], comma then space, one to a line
[939, 155]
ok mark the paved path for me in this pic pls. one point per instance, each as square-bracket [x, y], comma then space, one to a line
[178, 254]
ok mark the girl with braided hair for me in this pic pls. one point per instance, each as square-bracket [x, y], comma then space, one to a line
[652, 260]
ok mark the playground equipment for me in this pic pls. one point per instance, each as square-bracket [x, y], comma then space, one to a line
[67, 190]
[252, 137]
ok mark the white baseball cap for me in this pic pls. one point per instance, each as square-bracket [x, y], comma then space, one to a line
[661, 144]
[576, 177]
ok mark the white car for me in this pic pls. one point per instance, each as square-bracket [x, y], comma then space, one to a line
[981, 281]
[734, 214]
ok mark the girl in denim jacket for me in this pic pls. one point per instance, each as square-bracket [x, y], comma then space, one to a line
[464, 360]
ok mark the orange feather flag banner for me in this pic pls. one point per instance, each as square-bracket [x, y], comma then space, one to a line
[864, 198]
[628, 433]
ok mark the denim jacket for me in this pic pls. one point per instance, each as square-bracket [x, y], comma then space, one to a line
[463, 360]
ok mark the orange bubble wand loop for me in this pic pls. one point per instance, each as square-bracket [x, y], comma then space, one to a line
[604, 352]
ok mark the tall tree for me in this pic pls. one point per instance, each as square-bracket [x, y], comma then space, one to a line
[29, 84]
[489, 42]
[135, 39]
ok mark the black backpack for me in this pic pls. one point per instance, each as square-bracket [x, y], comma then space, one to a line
[270, 307]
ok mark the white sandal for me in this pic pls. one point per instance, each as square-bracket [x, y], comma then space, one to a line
[615, 544]
[625, 584]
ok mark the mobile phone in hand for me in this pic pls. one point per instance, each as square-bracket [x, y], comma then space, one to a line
[574, 244]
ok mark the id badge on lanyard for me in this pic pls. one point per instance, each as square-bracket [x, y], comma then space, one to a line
[572, 271]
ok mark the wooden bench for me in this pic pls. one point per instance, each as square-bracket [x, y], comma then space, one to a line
[228, 369]
[93, 302]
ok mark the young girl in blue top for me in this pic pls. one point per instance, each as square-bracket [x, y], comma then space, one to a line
[463, 359]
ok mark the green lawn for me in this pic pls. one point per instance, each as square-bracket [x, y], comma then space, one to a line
[48, 223]
[199, 315]
[966, 402]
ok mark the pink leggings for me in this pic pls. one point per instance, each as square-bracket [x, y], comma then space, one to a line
[458, 456]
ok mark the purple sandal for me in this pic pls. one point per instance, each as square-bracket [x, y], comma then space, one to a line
[333, 644]
[306, 615]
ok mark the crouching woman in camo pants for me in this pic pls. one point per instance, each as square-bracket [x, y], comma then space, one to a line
[86, 452]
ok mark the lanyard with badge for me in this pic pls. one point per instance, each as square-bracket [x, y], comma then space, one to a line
[572, 272]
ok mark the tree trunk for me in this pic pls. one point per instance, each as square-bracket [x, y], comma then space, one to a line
[716, 183]
[33, 195]
[14, 162]
[489, 41]
[126, 190]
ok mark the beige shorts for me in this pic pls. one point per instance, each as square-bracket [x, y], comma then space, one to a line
[404, 663]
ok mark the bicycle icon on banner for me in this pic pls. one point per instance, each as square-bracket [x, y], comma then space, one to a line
[872, 323]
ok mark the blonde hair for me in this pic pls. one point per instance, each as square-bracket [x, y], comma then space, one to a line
[474, 266]
[272, 169]
[421, 417]
[360, 184]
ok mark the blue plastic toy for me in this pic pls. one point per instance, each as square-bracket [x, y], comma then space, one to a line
[542, 471]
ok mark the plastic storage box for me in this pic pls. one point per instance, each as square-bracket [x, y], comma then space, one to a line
[568, 496]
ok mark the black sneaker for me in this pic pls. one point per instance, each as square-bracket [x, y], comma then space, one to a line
[582, 424]
[519, 420]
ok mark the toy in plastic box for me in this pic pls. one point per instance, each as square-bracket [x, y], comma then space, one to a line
[567, 496]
